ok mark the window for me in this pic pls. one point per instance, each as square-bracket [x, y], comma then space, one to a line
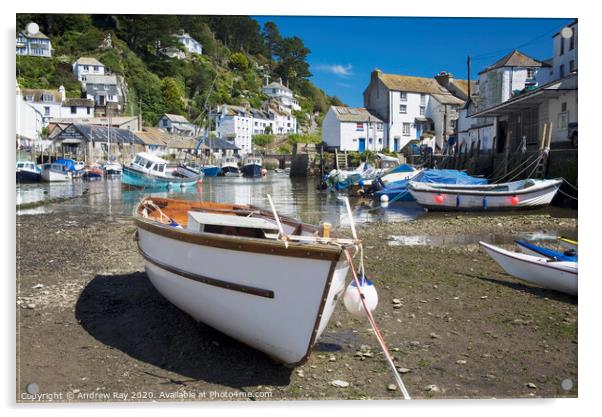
[359, 126]
[28, 98]
[422, 110]
[46, 97]
[422, 99]
[380, 140]
[563, 106]
[561, 71]
[369, 140]
[95, 68]
[406, 129]
[452, 123]
[164, 123]
[379, 126]
[562, 120]
[73, 109]
[572, 65]
[561, 45]
[403, 96]
[572, 41]
[86, 68]
[403, 108]
[530, 72]
[46, 110]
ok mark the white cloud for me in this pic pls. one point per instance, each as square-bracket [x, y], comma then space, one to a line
[343, 71]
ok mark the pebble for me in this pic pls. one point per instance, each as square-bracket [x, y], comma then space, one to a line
[435, 336]
[531, 385]
[392, 387]
[415, 343]
[332, 359]
[403, 370]
[31, 306]
[484, 297]
[432, 388]
[37, 286]
[340, 384]
[396, 301]
[461, 362]
[300, 373]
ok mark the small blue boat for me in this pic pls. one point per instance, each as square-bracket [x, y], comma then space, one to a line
[252, 166]
[149, 171]
[531, 249]
[28, 171]
[211, 170]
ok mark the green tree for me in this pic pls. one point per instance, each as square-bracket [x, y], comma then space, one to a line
[272, 38]
[172, 96]
[239, 61]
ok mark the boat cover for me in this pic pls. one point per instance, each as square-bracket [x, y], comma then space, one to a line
[548, 253]
[69, 163]
[439, 176]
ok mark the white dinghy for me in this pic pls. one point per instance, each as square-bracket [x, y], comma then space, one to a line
[528, 193]
[539, 270]
[268, 281]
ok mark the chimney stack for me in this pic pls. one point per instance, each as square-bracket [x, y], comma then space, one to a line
[62, 91]
[443, 78]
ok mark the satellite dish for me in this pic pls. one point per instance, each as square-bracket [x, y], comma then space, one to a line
[32, 28]
[566, 33]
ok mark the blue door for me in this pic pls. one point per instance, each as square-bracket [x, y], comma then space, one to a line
[362, 144]
[418, 130]
[396, 145]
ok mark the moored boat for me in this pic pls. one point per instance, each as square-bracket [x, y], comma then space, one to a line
[229, 167]
[28, 171]
[535, 250]
[545, 272]
[112, 168]
[227, 266]
[93, 172]
[529, 193]
[60, 170]
[252, 166]
[189, 170]
[149, 171]
[211, 170]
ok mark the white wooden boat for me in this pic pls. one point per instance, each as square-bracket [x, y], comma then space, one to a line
[528, 193]
[225, 265]
[542, 271]
[56, 172]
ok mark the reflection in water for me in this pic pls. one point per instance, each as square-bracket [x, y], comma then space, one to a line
[297, 198]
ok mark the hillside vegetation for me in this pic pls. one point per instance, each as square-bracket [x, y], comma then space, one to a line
[237, 56]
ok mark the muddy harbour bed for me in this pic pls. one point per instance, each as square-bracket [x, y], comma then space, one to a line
[91, 327]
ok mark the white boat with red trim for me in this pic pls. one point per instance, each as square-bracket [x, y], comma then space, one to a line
[231, 267]
[543, 271]
[529, 193]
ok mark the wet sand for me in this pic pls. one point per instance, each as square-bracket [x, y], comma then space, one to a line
[97, 330]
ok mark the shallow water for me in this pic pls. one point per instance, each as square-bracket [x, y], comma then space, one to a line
[298, 198]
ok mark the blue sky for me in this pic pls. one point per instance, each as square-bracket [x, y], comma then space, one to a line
[344, 50]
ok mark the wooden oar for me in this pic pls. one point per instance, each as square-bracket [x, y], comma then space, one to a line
[283, 236]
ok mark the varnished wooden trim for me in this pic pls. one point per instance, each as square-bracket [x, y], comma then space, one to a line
[260, 292]
[243, 244]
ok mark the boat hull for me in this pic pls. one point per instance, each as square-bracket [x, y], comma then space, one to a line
[251, 170]
[50, 175]
[230, 171]
[558, 276]
[211, 171]
[28, 176]
[274, 302]
[464, 199]
[134, 178]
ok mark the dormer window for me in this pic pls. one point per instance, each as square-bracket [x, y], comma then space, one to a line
[47, 98]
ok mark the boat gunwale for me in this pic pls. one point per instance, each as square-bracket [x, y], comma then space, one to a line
[294, 249]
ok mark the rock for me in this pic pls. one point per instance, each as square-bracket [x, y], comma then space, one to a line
[396, 301]
[432, 388]
[392, 387]
[415, 343]
[368, 355]
[484, 297]
[340, 384]
[461, 362]
[37, 286]
[31, 306]
[365, 348]
[435, 336]
[300, 373]
[403, 370]
[531, 385]
[338, 324]
[397, 306]
[332, 358]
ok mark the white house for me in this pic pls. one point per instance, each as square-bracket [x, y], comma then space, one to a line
[412, 108]
[281, 94]
[176, 124]
[85, 66]
[352, 129]
[192, 45]
[565, 57]
[104, 89]
[47, 102]
[77, 107]
[235, 124]
[284, 123]
[33, 44]
[30, 122]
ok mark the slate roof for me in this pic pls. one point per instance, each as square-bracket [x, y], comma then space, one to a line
[100, 134]
[412, 84]
[88, 61]
[79, 102]
[515, 59]
[354, 114]
[176, 118]
[38, 93]
[218, 143]
[38, 35]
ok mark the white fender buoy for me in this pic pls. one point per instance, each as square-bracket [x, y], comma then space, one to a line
[352, 300]
[384, 198]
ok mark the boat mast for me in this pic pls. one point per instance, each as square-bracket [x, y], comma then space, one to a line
[108, 133]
